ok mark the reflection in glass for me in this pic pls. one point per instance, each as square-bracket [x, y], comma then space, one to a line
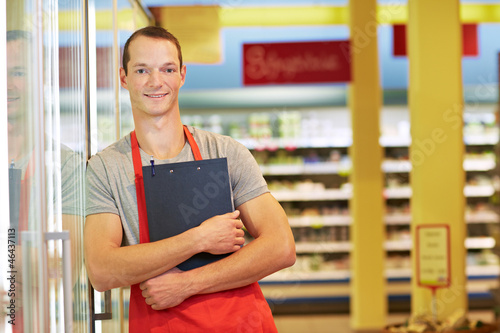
[46, 149]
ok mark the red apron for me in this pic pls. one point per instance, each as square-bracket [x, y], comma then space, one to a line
[237, 310]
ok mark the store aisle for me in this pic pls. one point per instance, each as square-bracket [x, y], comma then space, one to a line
[341, 323]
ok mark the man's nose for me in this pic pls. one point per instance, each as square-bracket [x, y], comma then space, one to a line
[154, 78]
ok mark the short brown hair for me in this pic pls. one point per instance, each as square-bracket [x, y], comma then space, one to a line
[153, 32]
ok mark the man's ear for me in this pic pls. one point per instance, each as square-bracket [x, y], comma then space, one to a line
[183, 74]
[123, 78]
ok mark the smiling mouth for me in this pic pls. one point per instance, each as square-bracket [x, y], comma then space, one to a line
[156, 95]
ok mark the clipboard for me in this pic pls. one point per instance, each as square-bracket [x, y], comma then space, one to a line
[180, 196]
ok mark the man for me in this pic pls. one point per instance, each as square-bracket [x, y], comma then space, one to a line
[222, 296]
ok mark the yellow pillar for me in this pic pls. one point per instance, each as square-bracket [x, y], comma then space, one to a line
[437, 149]
[368, 296]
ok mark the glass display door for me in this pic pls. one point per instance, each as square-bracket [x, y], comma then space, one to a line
[42, 272]
[61, 103]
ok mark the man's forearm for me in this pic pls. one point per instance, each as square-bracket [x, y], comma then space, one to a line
[261, 257]
[110, 266]
[124, 266]
[272, 249]
[249, 264]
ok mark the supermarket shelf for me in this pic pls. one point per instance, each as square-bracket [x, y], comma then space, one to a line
[480, 243]
[390, 166]
[470, 243]
[295, 143]
[471, 191]
[395, 141]
[289, 276]
[390, 245]
[343, 275]
[483, 270]
[390, 219]
[344, 142]
[319, 221]
[323, 247]
[482, 217]
[479, 190]
[403, 192]
[471, 164]
[328, 194]
[469, 139]
[479, 164]
[398, 219]
[324, 168]
[398, 245]
[398, 192]
[481, 139]
[344, 167]
[331, 281]
[470, 217]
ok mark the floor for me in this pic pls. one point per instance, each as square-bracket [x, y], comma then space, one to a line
[341, 323]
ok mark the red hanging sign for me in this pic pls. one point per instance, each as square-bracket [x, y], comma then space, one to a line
[296, 62]
[470, 44]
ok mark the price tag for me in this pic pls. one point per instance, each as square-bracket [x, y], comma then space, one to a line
[433, 256]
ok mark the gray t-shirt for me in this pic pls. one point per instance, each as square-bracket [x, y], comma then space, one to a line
[111, 179]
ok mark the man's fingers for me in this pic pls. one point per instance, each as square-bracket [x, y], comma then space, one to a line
[143, 286]
[238, 224]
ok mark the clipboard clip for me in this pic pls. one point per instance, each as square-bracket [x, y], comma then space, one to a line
[153, 173]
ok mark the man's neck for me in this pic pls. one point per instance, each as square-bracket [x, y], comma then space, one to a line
[162, 142]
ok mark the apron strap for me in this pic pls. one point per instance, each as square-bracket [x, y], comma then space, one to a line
[139, 189]
[193, 144]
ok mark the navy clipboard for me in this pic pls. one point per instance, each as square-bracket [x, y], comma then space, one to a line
[180, 196]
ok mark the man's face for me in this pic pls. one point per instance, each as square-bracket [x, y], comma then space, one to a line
[17, 85]
[154, 76]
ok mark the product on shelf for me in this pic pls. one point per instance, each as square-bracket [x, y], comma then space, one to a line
[260, 125]
[290, 124]
[485, 257]
[457, 322]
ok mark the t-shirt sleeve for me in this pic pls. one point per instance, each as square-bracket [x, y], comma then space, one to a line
[99, 197]
[246, 176]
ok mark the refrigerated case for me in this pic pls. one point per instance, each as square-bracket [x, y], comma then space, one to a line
[42, 273]
[60, 57]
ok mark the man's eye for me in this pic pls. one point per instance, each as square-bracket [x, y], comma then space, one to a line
[17, 74]
[141, 71]
[170, 70]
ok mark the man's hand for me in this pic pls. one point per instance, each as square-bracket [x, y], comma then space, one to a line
[222, 233]
[166, 290]
[219, 235]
